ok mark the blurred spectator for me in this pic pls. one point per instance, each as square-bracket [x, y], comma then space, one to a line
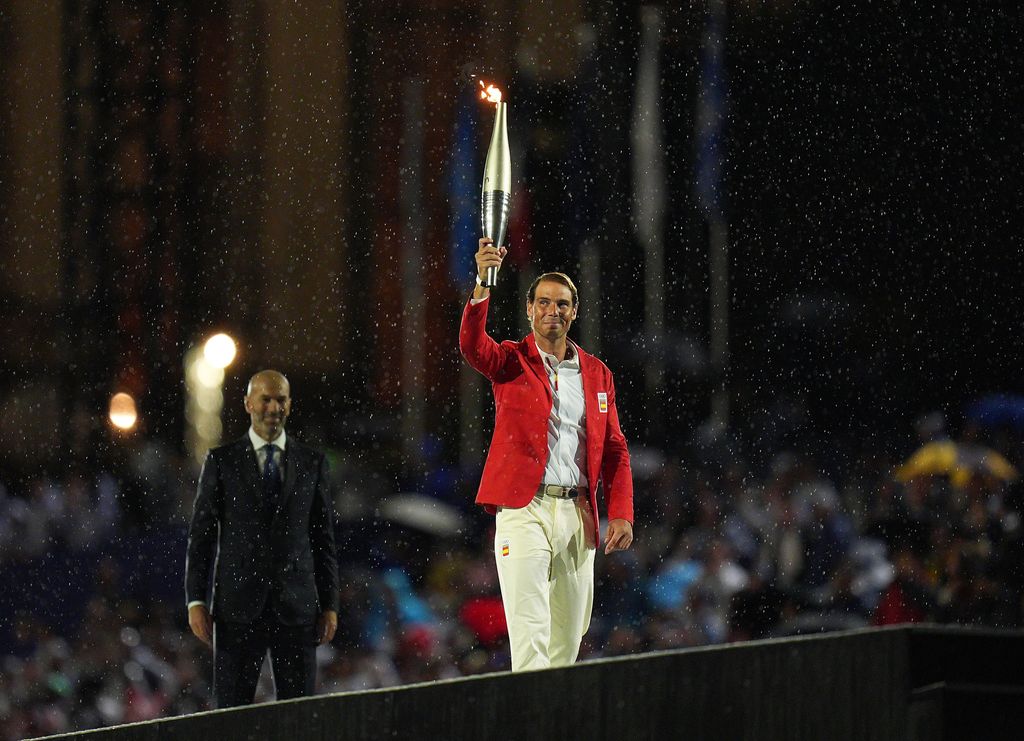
[95, 633]
[908, 598]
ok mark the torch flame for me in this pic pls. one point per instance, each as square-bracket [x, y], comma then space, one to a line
[489, 92]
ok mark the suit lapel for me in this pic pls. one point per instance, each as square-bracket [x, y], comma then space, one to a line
[591, 382]
[536, 364]
[248, 464]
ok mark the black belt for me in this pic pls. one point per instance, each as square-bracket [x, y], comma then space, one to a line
[557, 491]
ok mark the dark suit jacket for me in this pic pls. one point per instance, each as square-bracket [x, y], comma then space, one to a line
[256, 555]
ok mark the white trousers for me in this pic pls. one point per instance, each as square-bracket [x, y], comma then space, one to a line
[545, 558]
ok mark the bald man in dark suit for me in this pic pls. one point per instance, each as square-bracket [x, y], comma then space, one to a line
[262, 532]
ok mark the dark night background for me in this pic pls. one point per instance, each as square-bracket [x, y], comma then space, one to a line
[872, 182]
[169, 170]
[873, 179]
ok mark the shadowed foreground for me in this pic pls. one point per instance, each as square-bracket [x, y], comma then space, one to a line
[914, 683]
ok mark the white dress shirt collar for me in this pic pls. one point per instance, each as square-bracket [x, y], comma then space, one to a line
[572, 356]
[258, 442]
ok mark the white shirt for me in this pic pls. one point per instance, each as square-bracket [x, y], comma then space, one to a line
[567, 423]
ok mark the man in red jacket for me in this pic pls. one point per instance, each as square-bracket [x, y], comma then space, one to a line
[556, 435]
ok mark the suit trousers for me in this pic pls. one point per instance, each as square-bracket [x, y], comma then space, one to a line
[239, 650]
[545, 557]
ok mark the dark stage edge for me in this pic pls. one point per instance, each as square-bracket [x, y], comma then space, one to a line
[912, 683]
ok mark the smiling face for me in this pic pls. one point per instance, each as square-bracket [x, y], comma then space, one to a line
[551, 312]
[268, 403]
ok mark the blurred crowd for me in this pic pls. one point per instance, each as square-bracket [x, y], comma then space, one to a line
[730, 546]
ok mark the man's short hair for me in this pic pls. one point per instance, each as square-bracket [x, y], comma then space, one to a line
[562, 278]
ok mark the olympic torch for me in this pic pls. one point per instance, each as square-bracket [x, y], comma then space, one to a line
[496, 194]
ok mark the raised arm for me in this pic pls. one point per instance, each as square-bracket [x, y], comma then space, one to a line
[477, 347]
[487, 256]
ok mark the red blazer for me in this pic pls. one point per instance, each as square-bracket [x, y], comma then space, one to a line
[522, 399]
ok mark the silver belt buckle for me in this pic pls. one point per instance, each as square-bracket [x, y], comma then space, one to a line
[558, 491]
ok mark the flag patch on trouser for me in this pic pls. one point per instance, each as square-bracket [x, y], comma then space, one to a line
[505, 548]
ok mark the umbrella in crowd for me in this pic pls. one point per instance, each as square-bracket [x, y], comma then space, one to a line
[422, 513]
[959, 461]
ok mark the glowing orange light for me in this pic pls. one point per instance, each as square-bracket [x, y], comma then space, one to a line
[489, 92]
[123, 414]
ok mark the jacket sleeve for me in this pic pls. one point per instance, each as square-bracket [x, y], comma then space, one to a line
[203, 532]
[321, 535]
[477, 347]
[616, 472]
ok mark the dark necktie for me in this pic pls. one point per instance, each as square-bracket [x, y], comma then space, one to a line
[271, 477]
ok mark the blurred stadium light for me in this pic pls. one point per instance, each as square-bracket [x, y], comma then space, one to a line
[219, 351]
[204, 382]
[123, 413]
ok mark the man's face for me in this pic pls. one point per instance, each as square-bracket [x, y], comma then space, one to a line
[268, 404]
[551, 312]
